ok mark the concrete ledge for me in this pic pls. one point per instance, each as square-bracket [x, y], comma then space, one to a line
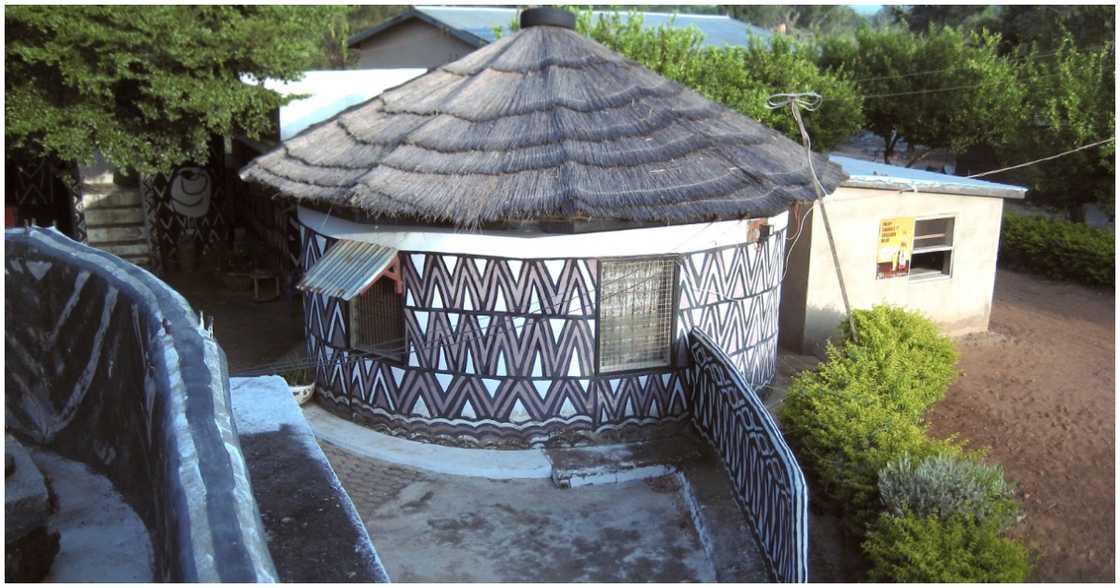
[495, 464]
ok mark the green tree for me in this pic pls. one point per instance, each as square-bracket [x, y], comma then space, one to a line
[148, 86]
[942, 90]
[1071, 99]
[740, 78]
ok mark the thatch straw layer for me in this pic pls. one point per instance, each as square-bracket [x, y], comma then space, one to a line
[543, 124]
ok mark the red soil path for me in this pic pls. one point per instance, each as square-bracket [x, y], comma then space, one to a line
[1039, 391]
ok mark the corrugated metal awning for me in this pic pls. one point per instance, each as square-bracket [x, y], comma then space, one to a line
[348, 269]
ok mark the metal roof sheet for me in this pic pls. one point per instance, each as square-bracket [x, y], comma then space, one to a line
[870, 174]
[347, 269]
[719, 30]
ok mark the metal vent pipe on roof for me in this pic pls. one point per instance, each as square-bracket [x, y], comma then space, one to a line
[547, 16]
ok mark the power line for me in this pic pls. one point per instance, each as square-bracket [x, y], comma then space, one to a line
[1029, 163]
[1019, 61]
[938, 90]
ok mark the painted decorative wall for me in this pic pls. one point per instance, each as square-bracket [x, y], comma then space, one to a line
[505, 347]
[768, 482]
[136, 389]
[193, 196]
[35, 187]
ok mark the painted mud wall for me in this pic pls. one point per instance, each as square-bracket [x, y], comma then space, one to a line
[768, 482]
[499, 347]
[191, 201]
[35, 189]
[109, 366]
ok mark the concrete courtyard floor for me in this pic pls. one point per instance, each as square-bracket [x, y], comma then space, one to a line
[442, 528]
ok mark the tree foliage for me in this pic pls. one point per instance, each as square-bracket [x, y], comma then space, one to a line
[740, 78]
[342, 24]
[1070, 102]
[148, 87]
[941, 89]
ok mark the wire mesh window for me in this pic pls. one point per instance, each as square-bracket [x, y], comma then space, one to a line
[376, 325]
[635, 314]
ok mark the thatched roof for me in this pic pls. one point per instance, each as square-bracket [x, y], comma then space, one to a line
[544, 123]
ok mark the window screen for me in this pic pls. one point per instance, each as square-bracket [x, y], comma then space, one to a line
[635, 314]
[376, 325]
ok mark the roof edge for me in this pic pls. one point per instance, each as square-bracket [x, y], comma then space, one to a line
[464, 36]
[900, 184]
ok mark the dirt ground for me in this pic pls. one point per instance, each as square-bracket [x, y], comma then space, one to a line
[1039, 391]
[252, 334]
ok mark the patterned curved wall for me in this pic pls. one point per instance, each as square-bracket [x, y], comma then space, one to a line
[505, 347]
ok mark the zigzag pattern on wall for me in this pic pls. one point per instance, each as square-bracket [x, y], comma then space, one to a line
[508, 345]
[732, 294]
[500, 345]
[551, 287]
[769, 484]
[438, 402]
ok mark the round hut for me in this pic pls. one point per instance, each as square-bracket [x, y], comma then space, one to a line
[512, 248]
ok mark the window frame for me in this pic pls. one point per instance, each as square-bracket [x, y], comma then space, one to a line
[672, 361]
[951, 234]
[351, 330]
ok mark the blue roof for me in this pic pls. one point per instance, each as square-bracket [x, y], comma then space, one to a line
[871, 174]
[718, 30]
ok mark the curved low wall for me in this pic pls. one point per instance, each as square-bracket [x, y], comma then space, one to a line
[768, 482]
[108, 365]
[502, 350]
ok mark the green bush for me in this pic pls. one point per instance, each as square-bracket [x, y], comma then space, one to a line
[1058, 249]
[912, 548]
[913, 363]
[946, 486]
[845, 428]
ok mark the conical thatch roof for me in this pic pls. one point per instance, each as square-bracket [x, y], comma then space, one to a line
[544, 123]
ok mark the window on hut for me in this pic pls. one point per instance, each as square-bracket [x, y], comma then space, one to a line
[635, 314]
[376, 325]
[933, 248]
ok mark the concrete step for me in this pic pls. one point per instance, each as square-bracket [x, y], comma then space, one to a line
[610, 464]
[724, 528]
[125, 232]
[107, 195]
[114, 215]
[125, 248]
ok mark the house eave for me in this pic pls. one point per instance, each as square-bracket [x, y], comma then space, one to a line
[364, 35]
[899, 184]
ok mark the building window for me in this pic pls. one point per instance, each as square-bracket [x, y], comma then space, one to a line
[635, 314]
[933, 248]
[376, 323]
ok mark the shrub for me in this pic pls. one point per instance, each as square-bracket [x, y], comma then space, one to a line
[913, 548]
[845, 429]
[1058, 249]
[946, 486]
[906, 354]
[299, 377]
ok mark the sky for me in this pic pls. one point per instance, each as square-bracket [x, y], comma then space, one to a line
[866, 9]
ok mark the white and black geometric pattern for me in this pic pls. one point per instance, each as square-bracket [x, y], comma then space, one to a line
[165, 225]
[507, 345]
[732, 294]
[767, 479]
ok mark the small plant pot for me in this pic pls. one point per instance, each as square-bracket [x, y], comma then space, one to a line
[303, 392]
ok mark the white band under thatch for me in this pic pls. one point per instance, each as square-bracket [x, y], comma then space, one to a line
[629, 242]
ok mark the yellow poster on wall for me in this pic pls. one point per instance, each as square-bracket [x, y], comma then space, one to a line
[896, 243]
